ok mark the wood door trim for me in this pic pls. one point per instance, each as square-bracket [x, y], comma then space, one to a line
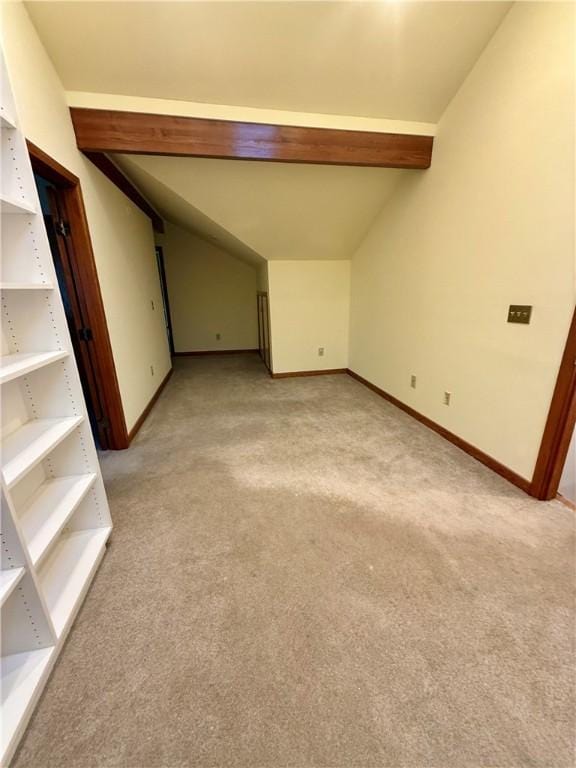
[106, 130]
[88, 290]
[264, 320]
[560, 424]
[471, 450]
[117, 177]
[50, 169]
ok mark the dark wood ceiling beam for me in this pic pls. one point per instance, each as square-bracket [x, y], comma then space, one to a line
[123, 183]
[99, 130]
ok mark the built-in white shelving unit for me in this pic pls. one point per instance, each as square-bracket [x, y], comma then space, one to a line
[55, 517]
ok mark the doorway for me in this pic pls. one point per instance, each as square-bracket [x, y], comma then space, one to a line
[67, 230]
[264, 329]
[165, 299]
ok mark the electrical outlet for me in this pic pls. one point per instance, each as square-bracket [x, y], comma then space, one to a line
[152, 304]
[218, 336]
[320, 351]
[152, 370]
[447, 396]
[413, 381]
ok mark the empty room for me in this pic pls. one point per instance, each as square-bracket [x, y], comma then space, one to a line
[288, 382]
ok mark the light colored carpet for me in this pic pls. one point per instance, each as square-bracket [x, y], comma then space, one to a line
[302, 575]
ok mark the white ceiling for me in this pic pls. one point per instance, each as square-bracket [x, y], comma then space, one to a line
[271, 210]
[178, 210]
[397, 60]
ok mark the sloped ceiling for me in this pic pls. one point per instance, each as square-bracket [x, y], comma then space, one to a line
[177, 210]
[397, 60]
[270, 210]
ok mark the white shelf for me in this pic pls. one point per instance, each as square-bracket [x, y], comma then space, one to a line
[8, 580]
[29, 444]
[21, 363]
[23, 675]
[26, 287]
[6, 120]
[67, 573]
[50, 509]
[13, 205]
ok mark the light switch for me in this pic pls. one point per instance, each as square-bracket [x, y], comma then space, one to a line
[519, 313]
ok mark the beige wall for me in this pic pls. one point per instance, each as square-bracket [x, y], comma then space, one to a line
[121, 235]
[309, 308]
[210, 292]
[490, 224]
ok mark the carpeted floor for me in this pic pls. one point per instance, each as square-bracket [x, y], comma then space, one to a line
[302, 575]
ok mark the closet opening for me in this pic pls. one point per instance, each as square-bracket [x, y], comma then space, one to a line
[263, 310]
[67, 229]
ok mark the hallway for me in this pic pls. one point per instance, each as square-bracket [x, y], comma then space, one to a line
[302, 575]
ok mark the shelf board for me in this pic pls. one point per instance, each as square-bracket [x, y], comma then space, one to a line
[28, 445]
[13, 286]
[6, 120]
[21, 363]
[23, 675]
[67, 573]
[8, 580]
[11, 204]
[50, 509]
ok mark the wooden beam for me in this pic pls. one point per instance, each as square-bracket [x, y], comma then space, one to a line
[102, 130]
[123, 183]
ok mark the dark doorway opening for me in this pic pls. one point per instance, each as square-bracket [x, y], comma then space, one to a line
[67, 229]
[80, 333]
[165, 299]
[264, 329]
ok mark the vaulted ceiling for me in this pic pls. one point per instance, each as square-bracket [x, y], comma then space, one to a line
[400, 60]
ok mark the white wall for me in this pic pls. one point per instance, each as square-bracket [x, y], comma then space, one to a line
[121, 234]
[309, 308]
[210, 292]
[490, 224]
